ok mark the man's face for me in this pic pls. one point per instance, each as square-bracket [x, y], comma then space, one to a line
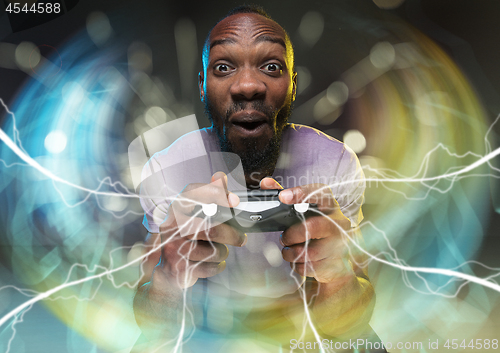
[248, 87]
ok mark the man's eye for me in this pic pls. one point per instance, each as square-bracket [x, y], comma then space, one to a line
[222, 68]
[272, 67]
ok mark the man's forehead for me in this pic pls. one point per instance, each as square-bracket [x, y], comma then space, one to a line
[246, 24]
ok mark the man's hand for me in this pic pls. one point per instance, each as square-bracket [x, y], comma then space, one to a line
[193, 248]
[315, 247]
[188, 248]
[343, 296]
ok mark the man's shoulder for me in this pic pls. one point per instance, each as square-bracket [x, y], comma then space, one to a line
[185, 156]
[302, 135]
[310, 144]
[190, 145]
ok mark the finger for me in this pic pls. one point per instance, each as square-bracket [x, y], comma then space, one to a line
[269, 183]
[325, 270]
[186, 272]
[200, 194]
[219, 175]
[319, 194]
[315, 227]
[219, 179]
[182, 225]
[207, 269]
[196, 228]
[224, 234]
[314, 250]
[203, 251]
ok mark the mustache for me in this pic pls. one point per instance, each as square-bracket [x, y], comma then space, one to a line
[258, 105]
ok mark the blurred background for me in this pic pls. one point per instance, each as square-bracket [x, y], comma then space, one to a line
[412, 86]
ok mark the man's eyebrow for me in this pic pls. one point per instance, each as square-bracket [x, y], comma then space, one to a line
[263, 38]
[222, 41]
[266, 38]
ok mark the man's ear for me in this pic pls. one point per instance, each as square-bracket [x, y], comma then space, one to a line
[200, 86]
[294, 85]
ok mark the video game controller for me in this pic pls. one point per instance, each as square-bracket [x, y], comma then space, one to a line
[259, 211]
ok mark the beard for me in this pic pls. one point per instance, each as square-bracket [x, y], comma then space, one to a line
[255, 155]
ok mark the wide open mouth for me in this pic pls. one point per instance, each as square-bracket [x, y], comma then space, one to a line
[249, 122]
[249, 125]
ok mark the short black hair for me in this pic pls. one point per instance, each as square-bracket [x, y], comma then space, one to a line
[250, 8]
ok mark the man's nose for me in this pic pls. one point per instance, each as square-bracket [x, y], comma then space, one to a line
[247, 85]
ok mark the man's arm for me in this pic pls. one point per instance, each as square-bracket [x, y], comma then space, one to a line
[343, 308]
[341, 294]
[185, 249]
[156, 303]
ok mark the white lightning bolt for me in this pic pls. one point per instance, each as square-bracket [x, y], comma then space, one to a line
[18, 312]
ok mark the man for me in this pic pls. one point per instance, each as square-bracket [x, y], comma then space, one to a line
[212, 287]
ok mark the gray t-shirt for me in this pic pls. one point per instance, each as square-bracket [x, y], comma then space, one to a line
[306, 156]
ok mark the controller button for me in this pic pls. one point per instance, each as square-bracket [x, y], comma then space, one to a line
[210, 209]
[301, 207]
[256, 217]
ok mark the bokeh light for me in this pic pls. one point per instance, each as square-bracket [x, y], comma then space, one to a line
[355, 140]
[55, 142]
[311, 27]
[99, 27]
[27, 56]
